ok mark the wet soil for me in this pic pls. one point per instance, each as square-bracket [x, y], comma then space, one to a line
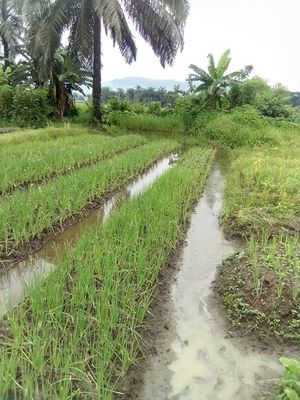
[263, 314]
[189, 351]
[43, 253]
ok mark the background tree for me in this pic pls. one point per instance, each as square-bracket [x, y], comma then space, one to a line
[160, 23]
[215, 83]
[11, 28]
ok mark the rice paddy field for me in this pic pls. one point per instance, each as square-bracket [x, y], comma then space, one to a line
[77, 332]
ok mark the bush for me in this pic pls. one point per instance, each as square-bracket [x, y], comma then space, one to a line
[188, 109]
[154, 108]
[6, 103]
[239, 128]
[30, 107]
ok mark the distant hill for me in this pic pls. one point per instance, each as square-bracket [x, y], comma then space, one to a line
[132, 82]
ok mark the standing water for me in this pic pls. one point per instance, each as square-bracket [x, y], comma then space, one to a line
[194, 357]
[13, 282]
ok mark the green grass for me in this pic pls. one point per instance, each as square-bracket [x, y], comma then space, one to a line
[263, 189]
[147, 123]
[77, 332]
[260, 287]
[42, 135]
[36, 161]
[25, 215]
[289, 384]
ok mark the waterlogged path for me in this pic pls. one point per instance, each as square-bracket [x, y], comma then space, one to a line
[193, 357]
[13, 282]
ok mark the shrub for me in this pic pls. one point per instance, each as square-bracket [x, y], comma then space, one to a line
[236, 129]
[6, 103]
[188, 109]
[154, 108]
[30, 107]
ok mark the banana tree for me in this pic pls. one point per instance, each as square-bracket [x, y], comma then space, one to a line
[215, 84]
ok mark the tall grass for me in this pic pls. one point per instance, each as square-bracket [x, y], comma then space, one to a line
[147, 123]
[35, 161]
[263, 190]
[76, 334]
[25, 215]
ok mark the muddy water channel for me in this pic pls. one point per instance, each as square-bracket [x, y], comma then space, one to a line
[13, 283]
[194, 355]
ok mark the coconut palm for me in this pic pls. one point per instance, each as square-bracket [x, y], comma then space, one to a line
[215, 83]
[10, 29]
[160, 23]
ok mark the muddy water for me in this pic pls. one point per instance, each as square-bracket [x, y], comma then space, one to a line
[13, 283]
[194, 357]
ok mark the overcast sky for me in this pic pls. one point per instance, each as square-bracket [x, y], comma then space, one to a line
[264, 33]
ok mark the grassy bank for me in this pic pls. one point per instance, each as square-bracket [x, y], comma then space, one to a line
[259, 286]
[263, 190]
[33, 162]
[28, 214]
[77, 332]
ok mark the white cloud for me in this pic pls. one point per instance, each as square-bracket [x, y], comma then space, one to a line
[263, 33]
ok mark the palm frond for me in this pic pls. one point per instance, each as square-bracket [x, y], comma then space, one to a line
[158, 25]
[114, 21]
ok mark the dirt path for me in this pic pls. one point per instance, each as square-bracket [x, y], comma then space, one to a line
[192, 356]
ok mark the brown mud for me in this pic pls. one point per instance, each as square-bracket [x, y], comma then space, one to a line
[189, 351]
[13, 282]
[262, 314]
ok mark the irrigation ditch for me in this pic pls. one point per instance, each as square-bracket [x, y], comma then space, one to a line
[189, 350]
[13, 281]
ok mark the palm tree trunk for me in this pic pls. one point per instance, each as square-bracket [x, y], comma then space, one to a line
[4, 41]
[6, 54]
[97, 69]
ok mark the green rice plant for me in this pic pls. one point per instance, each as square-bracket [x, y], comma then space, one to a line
[28, 214]
[33, 162]
[77, 332]
[43, 135]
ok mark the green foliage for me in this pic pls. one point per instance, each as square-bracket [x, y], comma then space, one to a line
[30, 107]
[24, 107]
[274, 105]
[242, 127]
[188, 109]
[6, 104]
[248, 92]
[290, 382]
[215, 83]
[263, 188]
[154, 108]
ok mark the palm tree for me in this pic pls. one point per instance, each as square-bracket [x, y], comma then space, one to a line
[215, 84]
[10, 29]
[160, 23]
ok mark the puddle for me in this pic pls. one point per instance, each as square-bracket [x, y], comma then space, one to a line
[194, 358]
[13, 282]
